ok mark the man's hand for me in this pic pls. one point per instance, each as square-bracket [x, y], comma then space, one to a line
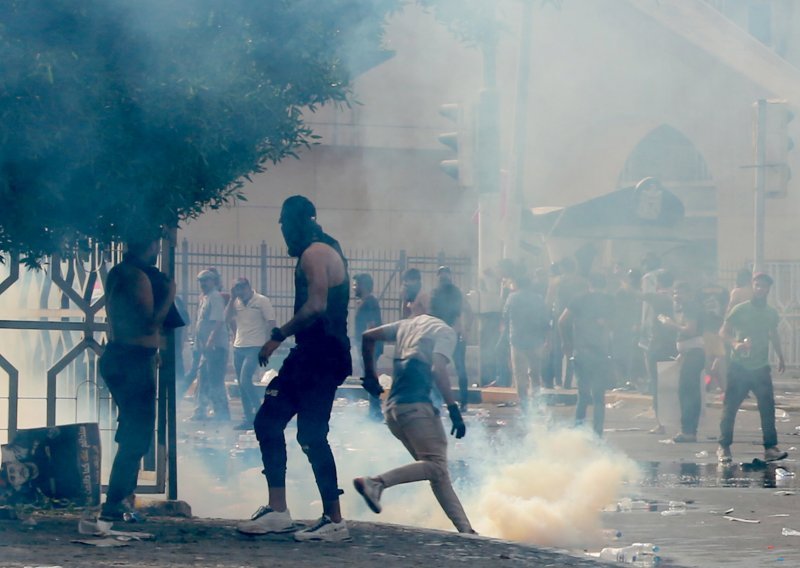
[459, 429]
[372, 385]
[266, 351]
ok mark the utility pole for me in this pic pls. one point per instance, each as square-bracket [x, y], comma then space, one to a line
[515, 200]
[759, 200]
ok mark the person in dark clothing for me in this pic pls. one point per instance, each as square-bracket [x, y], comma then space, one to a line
[627, 318]
[424, 347]
[461, 327]
[657, 340]
[750, 328]
[528, 320]
[688, 324]
[139, 301]
[568, 286]
[368, 315]
[585, 327]
[306, 383]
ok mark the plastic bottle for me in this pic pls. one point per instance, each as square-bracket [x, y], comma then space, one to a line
[790, 532]
[637, 554]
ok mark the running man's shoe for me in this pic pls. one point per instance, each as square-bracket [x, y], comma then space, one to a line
[370, 489]
[724, 454]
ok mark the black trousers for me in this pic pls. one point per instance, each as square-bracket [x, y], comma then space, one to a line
[689, 389]
[129, 371]
[740, 382]
[460, 363]
[594, 373]
[306, 387]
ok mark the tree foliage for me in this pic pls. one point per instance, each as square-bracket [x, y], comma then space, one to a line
[117, 116]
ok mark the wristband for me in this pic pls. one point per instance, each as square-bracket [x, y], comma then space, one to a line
[277, 335]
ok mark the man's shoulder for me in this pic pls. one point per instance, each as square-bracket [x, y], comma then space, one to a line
[261, 299]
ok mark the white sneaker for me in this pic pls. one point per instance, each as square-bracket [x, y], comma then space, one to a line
[266, 521]
[324, 530]
[370, 489]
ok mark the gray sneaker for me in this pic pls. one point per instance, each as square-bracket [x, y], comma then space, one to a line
[324, 530]
[370, 489]
[266, 521]
[724, 454]
[774, 454]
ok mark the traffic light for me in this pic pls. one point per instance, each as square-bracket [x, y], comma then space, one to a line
[461, 141]
[773, 137]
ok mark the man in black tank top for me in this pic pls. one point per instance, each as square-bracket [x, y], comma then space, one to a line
[306, 383]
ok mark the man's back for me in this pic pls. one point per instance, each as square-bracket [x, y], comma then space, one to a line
[129, 298]
[527, 316]
[593, 314]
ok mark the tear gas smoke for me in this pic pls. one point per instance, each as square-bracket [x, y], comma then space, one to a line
[546, 487]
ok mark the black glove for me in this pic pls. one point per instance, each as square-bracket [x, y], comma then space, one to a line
[372, 386]
[459, 429]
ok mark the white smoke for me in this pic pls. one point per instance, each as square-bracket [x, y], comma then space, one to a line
[544, 487]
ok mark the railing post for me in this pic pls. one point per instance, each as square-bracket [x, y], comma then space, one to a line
[185, 270]
[262, 265]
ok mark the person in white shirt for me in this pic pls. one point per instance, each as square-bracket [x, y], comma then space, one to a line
[251, 316]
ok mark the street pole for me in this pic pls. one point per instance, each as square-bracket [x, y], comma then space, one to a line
[759, 200]
[515, 200]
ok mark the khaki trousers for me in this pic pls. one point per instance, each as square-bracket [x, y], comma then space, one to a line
[420, 429]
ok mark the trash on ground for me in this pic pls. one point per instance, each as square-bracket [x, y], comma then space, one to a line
[781, 413]
[783, 492]
[628, 504]
[103, 528]
[667, 441]
[781, 472]
[616, 404]
[780, 515]
[703, 454]
[623, 429]
[790, 532]
[740, 520]
[107, 542]
[675, 508]
[639, 554]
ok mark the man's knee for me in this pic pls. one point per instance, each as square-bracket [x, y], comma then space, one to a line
[439, 472]
[314, 441]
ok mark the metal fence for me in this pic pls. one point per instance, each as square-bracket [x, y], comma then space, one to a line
[270, 270]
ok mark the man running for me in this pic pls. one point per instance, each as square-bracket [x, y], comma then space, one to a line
[424, 347]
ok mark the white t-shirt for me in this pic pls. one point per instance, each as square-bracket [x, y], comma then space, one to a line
[422, 336]
[252, 321]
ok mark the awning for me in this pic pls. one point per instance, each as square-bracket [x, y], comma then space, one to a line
[649, 214]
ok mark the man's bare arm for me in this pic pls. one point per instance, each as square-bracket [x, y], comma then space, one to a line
[565, 329]
[368, 341]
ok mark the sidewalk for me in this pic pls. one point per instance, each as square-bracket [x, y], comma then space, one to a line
[209, 542]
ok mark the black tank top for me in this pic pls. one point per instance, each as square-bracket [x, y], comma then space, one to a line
[329, 331]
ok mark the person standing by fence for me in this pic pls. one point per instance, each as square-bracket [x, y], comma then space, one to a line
[368, 315]
[211, 339]
[139, 299]
[251, 316]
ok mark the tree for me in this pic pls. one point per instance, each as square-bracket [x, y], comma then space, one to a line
[118, 116]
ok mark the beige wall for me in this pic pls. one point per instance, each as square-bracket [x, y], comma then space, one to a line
[603, 75]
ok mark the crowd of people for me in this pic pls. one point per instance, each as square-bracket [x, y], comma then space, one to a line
[554, 327]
